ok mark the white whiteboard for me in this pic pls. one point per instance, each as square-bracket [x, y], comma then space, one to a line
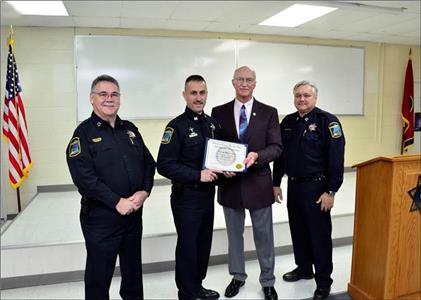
[152, 70]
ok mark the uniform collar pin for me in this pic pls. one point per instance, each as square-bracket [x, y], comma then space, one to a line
[98, 124]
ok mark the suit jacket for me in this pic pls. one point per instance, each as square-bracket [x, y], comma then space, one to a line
[254, 188]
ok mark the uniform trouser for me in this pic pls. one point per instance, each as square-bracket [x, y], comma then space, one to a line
[193, 212]
[311, 230]
[102, 251]
[263, 240]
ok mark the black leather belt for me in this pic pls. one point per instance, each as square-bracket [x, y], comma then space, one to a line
[317, 178]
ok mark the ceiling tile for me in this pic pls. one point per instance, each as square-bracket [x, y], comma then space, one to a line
[374, 23]
[352, 23]
[239, 12]
[412, 6]
[148, 9]
[338, 18]
[50, 21]
[144, 23]
[199, 10]
[97, 22]
[93, 8]
[402, 28]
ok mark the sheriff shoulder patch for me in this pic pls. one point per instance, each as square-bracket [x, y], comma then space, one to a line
[335, 130]
[74, 147]
[166, 138]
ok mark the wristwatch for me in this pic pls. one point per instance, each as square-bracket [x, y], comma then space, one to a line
[332, 193]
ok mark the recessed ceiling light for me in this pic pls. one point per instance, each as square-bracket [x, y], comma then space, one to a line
[296, 15]
[42, 8]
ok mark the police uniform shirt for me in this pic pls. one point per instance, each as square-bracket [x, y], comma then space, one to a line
[313, 144]
[182, 147]
[109, 163]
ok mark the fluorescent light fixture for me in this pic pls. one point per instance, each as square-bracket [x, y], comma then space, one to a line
[41, 8]
[297, 14]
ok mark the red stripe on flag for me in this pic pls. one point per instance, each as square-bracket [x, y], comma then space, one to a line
[408, 109]
[15, 128]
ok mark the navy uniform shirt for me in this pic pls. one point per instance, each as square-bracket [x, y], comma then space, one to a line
[313, 145]
[182, 147]
[109, 163]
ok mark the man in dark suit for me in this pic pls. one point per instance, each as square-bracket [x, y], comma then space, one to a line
[249, 121]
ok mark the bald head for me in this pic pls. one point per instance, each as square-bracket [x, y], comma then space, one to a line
[245, 69]
[244, 82]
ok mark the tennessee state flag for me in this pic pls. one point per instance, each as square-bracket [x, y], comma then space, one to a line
[408, 109]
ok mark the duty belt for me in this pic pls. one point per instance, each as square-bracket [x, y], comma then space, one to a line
[316, 178]
[198, 187]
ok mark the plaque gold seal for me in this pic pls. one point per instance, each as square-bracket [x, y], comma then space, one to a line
[239, 166]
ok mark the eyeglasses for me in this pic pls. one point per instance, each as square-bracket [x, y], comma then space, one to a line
[248, 80]
[105, 95]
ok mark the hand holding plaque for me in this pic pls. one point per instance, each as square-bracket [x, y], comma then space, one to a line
[225, 156]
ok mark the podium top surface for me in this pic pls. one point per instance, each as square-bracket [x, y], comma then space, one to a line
[399, 158]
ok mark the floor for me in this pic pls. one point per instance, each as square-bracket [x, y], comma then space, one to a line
[217, 279]
[33, 227]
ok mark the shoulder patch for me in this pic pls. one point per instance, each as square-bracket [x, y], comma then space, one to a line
[74, 147]
[335, 130]
[166, 138]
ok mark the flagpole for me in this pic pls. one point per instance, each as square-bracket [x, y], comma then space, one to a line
[18, 196]
[17, 119]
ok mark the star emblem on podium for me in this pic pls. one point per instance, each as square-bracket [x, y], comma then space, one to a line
[415, 195]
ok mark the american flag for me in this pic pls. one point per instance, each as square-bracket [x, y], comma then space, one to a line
[15, 129]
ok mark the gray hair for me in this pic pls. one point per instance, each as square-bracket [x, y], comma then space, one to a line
[101, 78]
[306, 82]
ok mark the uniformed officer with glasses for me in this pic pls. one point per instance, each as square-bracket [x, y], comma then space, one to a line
[113, 171]
[313, 159]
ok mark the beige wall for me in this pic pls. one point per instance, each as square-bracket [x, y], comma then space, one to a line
[45, 58]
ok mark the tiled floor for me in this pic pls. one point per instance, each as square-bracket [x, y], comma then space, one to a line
[162, 285]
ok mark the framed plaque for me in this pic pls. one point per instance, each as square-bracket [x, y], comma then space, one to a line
[225, 156]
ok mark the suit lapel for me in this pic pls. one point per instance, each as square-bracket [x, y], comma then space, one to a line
[231, 126]
[252, 129]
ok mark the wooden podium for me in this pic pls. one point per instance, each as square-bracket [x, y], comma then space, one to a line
[386, 244]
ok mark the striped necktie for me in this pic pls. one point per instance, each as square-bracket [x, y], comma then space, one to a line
[243, 124]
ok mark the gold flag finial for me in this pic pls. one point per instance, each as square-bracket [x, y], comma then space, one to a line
[11, 40]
